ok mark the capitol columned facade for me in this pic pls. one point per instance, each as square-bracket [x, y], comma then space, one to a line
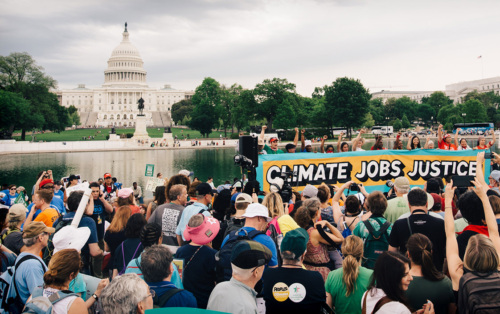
[115, 102]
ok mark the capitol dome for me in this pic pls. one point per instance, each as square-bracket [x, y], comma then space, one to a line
[125, 66]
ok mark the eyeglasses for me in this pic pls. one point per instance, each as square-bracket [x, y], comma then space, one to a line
[13, 189]
[152, 293]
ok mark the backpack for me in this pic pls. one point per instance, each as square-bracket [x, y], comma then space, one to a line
[234, 224]
[43, 305]
[160, 301]
[121, 272]
[223, 257]
[479, 293]
[49, 249]
[375, 244]
[275, 234]
[11, 302]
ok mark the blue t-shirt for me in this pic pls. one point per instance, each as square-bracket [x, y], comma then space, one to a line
[187, 213]
[29, 275]
[262, 239]
[9, 199]
[84, 222]
[133, 268]
[183, 298]
[59, 194]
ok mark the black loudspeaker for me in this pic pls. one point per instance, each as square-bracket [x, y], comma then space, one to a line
[248, 148]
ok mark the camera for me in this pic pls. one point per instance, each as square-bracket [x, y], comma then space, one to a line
[243, 161]
[354, 187]
[389, 184]
[286, 190]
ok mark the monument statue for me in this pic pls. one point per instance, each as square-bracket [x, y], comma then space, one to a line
[141, 106]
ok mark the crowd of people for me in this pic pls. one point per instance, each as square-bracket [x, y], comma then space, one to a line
[237, 249]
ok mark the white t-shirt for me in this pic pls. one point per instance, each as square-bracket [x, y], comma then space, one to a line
[375, 294]
[61, 307]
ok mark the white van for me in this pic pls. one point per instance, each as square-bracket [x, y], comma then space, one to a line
[386, 130]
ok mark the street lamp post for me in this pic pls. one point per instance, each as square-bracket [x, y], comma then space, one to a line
[463, 115]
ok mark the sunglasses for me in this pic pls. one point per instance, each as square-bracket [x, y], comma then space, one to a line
[13, 189]
[46, 187]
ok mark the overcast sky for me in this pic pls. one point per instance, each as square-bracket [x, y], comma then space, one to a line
[390, 45]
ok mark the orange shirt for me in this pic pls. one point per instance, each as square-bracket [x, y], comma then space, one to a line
[48, 216]
[445, 146]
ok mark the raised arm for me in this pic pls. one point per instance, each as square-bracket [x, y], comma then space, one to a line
[356, 140]
[479, 168]
[452, 257]
[427, 139]
[262, 132]
[440, 133]
[296, 138]
[322, 147]
[37, 184]
[302, 140]
[339, 141]
[336, 198]
[492, 140]
[456, 136]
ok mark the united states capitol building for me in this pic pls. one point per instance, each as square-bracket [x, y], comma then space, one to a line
[115, 102]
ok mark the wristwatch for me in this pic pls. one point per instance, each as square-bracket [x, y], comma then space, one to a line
[95, 297]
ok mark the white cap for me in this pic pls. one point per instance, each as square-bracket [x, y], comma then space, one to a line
[70, 237]
[307, 143]
[257, 210]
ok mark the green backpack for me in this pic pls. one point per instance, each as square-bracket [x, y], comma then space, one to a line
[376, 243]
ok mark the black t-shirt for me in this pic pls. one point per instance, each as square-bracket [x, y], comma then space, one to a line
[132, 248]
[99, 216]
[431, 227]
[113, 240]
[463, 240]
[13, 241]
[199, 275]
[293, 290]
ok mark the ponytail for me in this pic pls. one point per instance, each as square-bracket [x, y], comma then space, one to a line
[420, 249]
[352, 249]
[306, 212]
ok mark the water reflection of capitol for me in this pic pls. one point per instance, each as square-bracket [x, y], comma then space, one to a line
[115, 103]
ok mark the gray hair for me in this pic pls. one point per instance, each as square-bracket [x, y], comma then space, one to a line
[290, 256]
[176, 191]
[155, 263]
[123, 294]
[243, 274]
[29, 242]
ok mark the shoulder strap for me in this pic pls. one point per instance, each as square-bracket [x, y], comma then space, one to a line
[56, 297]
[383, 301]
[252, 234]
[409, 226]
[363, 307]
[16, 266]
[369, 227]
[323, 234]
[164, 298]
[384, 227]
[201, 211]
[352, 222]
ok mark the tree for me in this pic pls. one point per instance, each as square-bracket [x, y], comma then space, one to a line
[15, 112]
[397, 125]
[346, 102]
[475, 110]
[74, 118]
[377, 110]
[437, 100]
[20, 68]
[405, 106]
[181, 110]
[405, 123]
[206, 98]
[229, 101]
[425, 112]
[241, 115]
[270, 96]
[369, 121]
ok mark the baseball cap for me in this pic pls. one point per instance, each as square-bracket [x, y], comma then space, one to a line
[495, 174]
[185, 172]
[307, 143]
[70, 237]
[310, 191]
[46, 181]
[17, 213]
[260, 142]
[204, 233]
[402, 183]
[437, 202]
[446, 135]
[107, 175]
[289, 146]
[249, 254]
[36, 228]
[257, 210]
[273, 139]
[204, 189]
[125, 192]
[243, 198]
[295, 241]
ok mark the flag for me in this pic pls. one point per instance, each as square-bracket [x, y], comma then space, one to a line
[20, 199]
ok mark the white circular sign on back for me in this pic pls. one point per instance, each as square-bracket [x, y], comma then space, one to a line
[297, 292]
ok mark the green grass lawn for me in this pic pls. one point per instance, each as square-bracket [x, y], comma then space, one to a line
[100, 134]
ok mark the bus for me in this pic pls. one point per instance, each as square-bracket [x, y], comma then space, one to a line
[383, 129]
[474, 128]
